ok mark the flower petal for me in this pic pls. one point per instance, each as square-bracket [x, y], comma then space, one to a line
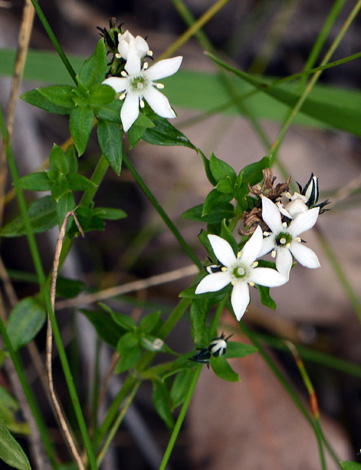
[252, 248]
[267, 277]
[164, 68]
[130, 110]
[304, 255]
[133, 65]
[268, 244]
[240, 299]
[223, 250]
[303, 222]
[284, 261]
[271, 215]
[213, 282]
[117, 83]
[158, 102]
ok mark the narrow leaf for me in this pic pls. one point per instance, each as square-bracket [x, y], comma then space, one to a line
[221, 169]
[110, 141]
[60, 95]
[163, 133]
[95, 68]
[221, 368]
[106, 328]
[36, 182]
[161, 403]
[10, 450]
[80, 125]
[35, 98]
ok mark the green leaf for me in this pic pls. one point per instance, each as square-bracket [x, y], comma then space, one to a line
[110, 141]
[60, 95]
[95, 68]
[25, 321]
[149, 323]
[221, 169]
[199, 310]
[66, 203]
[80, 125]
[235, 349]
[109, 213]
[35, 98]
[214, 200]
[128, 359]
[60, 187]
[111, 111]
[207, 168]
[10, 450]
[163, 133]
[136, 132]
[42, 214]
[266, 299]
[106, 328]
[9, 409]
[126, 322]
[224, 211]
[69, 288]
[221, 368]
[180, 387]
[225, 185]
[161, 403]
[59, 163]
[36, 182]
[228, 236]
[345, 465]
[72, 160]
[87, 220]
[101, 95]
[80, 183]
[127, 342]
[251, 174]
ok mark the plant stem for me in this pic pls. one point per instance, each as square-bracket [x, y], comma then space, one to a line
[161, 212]
[181, 417]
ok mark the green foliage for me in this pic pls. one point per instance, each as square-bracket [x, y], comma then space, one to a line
[235, 349]
[25, 321]
[223, 370]
[95, 68]
[107, 329]
[9, 413]
[180, 387]
[345, 465]
[162, 402]
[163, 133]
[69, 288]
[110, 141]
[42, 214]
[80, 125]
[10, 450]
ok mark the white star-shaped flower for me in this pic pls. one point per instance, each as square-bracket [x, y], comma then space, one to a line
[284, 240]
[138, 84]
[239, 271]
[133, 50]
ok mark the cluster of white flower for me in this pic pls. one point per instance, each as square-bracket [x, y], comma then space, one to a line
[137, 82]
[282, 240]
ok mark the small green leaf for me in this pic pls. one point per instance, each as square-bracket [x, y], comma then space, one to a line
[228, 236]
[128, 341]
[80, 183]
[36, 182]
[124, 321]
[137, 130]
[111, 111]
[251, 174]
[345, 465]
[224, 211]
[221, 169]
[163, 133]
[199, 310]
[109, 213]
[60, 187]
[59, 163]
[42, 214]
[95, 68]
[69, 288]
[207, 168]
[106, 328]
[87, 220]
[66, 203]
[161, 403]
[214, 200]
[10, 450]
[150, 322]
[221, 368]
[80, 125]
[25, 321]
[101, 95]
[60, 95]
[128, 359]
[72, 160]
[180, 387]
[266, 299]
[225, 185]
[9, 408]
[235, 349]
[110, 141]
[35, 98]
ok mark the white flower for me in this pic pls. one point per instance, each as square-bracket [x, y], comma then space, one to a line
[133, 50]
[297, 205]
[239, 271]
[139, 84]
[284, 240]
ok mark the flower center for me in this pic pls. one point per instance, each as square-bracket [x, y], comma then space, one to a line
[139, 84]
[239, 271]
[283, 239]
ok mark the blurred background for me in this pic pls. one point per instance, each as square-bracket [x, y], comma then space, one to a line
[253, 423]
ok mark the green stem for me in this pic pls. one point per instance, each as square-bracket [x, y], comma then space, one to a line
[161, 212]
[180, 419]
[53, 39]
[29, 396]
[44, 289]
